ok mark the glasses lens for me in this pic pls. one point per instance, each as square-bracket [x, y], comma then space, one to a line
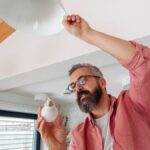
[71, 87]
[81, 81]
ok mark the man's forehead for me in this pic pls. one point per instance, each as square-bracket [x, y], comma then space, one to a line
[79, 72]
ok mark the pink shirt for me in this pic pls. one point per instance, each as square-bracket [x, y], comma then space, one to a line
[130, 112]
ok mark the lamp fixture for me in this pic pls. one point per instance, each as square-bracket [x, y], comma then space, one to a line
[43, 17]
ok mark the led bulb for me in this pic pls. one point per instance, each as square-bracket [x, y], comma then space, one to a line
[49, 111]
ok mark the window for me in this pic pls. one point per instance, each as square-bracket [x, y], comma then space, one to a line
[17, 131]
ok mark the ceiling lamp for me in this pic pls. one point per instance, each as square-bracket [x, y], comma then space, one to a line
[42, 17]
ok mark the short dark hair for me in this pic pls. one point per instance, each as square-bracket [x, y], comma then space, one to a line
[93, 69]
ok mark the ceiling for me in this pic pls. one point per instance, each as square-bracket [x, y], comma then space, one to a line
[31, 64]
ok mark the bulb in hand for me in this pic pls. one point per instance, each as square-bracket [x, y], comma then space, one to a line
[49, 111]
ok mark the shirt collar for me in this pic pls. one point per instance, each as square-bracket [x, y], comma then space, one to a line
[111, 110]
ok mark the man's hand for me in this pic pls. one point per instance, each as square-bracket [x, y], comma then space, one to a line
[76, 25]
[52, 133]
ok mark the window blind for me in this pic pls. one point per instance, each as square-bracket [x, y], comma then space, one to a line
[17, 133]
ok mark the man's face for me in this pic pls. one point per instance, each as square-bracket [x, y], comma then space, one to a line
[89, 94]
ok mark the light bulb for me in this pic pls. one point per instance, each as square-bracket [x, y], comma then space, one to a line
[49, 111]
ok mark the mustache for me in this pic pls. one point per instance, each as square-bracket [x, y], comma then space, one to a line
[80, 93]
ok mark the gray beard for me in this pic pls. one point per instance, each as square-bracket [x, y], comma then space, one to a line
[89, 103]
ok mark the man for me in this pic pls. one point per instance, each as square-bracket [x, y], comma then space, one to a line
[121, 123]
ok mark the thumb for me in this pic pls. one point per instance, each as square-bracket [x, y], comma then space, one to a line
[65, 23]
[58, 120]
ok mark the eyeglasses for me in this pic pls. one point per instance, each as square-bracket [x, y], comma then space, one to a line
[80, 81]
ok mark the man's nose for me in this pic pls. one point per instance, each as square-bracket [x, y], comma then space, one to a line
[79, 87]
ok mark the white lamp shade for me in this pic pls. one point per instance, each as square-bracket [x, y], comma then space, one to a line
[42, 17]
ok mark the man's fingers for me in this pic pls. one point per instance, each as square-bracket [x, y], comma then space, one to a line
[73, 18]
[39, 111]
[65, 17]
[69, 18]
[41, 126]
[58, 120]
[65, 21]
[38, 122]
[78, 19]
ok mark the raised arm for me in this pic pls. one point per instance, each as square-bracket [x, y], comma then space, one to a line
[118, 48]
[135, 57]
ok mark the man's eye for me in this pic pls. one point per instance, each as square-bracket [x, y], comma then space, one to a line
[82, 81]
[73, 85]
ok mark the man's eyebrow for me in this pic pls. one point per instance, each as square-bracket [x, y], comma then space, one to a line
[80, 77]
[77, 79]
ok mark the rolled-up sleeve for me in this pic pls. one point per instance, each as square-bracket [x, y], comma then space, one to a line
[139, 70]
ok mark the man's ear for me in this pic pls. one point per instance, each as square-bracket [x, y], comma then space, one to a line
[102, 82]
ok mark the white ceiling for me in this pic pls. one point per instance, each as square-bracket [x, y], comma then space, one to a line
[32, 64]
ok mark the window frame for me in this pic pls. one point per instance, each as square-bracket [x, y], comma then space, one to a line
[23, 115]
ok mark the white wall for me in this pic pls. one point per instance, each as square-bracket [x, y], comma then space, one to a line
[13, 102]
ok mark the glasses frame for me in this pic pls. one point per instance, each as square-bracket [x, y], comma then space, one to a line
[77, 81]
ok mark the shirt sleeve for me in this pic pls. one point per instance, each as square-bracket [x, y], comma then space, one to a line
[139, 71]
